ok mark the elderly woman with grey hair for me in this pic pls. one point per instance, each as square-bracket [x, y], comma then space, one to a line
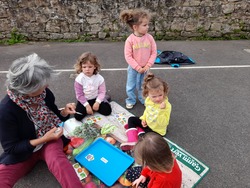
[29, 120]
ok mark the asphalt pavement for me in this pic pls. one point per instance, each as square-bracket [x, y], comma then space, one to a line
[210, 100]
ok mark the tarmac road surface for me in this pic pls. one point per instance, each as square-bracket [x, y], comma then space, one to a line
[210, 99]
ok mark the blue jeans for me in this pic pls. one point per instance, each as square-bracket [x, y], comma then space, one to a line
[134, 81]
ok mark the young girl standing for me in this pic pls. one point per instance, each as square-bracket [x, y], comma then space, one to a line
[140, 52]
[156, 114]
[160, 166]
[90, 88]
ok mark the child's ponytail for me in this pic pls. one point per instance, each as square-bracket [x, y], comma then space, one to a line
[151, 82]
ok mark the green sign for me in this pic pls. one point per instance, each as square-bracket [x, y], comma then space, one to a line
[186, 159]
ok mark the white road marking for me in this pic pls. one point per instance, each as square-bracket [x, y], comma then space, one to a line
[247, 50]
[160, 68]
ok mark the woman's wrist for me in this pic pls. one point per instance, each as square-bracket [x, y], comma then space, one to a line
[63, 113]
[38, 141]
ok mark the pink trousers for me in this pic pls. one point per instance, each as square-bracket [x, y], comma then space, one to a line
[57, 162]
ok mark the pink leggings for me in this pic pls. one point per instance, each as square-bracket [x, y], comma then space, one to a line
[57, 162]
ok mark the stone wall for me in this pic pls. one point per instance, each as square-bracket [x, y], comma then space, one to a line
[99, 19]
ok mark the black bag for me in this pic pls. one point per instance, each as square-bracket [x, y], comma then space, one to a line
[172, 57]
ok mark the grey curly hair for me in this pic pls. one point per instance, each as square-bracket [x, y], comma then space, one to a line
[28, 74]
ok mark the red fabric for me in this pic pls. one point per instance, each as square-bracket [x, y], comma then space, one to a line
[164, 180]
[56, 160]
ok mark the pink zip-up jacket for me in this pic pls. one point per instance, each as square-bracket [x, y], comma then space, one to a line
[140, 51]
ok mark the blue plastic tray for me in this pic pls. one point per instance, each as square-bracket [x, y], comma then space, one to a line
[105, 161]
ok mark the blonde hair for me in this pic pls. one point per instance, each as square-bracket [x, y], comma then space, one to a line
[84, 58]
[152, 150]
[134, 16]
[153, 83]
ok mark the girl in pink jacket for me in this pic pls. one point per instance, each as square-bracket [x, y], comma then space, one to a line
[140, 52]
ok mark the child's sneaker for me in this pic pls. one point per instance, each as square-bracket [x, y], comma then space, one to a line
[129, 106]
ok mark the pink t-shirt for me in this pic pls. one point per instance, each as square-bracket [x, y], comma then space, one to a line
[140, 51]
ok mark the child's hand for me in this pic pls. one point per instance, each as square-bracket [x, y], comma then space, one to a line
[144, 123]
[96, 106]
[89, 109]
[146, 68]
[141, 70]
[163, 105]
[138, 181]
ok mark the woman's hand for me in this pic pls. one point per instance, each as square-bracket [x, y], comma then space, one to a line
[89, 109]
[141, 179]
[96, 106]
[144, 123]
[69, 109]
[53, 134]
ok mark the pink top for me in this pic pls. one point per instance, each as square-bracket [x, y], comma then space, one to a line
[140, 51]
[87, 88]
